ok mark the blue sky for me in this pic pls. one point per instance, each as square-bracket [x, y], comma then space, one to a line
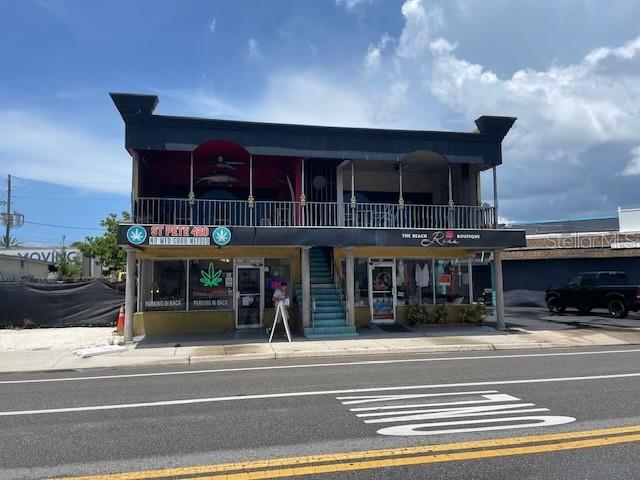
[570, 72]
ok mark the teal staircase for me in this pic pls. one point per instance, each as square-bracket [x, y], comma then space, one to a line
[329, 318]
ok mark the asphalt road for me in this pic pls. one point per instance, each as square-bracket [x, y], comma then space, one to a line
[580, 408]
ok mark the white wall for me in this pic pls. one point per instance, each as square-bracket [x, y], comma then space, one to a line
[16, 268]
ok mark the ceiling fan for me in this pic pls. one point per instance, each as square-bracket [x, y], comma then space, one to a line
[222, 173]
[223, 164]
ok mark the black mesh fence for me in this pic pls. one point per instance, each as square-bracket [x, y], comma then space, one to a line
[89, 303]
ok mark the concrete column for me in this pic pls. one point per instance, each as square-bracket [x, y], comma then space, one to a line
[497, 259]
[305, 272]
[340, 192]
[350, 287]
[495, 198]
[130, 295]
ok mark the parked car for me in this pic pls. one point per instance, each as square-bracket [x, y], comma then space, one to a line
[588, 290]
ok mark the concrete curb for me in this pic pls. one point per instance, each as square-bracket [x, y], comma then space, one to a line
[124, 361]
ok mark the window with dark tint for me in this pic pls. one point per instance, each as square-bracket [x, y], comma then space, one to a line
[613, 278]
[589, 280]
[574, 281]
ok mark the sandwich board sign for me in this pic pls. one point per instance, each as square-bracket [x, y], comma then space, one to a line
[281, 313]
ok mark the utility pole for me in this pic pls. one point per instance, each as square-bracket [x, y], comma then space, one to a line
[7, 221]
[10, 220]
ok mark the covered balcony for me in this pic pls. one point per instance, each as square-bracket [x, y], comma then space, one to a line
[219, 183]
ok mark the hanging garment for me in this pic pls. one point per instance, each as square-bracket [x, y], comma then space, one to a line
[400, 273]
[422, 275]
[418, 275]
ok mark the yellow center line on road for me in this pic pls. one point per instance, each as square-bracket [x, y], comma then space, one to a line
[396, 457]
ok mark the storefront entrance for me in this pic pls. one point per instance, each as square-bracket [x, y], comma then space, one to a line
[249, 293]
[382, 290]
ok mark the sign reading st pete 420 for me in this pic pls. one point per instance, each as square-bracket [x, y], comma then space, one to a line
[179, 235]
[178, 231]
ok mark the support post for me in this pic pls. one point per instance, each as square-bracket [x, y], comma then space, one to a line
[340, 193]
[450, 187]
[497, 259]
[191, 196]
[129, 295]
[7, 235]
[350, 287]
[305, 272]
[400, 198]
[495, 198]
[470, 271]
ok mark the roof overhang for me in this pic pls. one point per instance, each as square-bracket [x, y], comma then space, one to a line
[147, 131]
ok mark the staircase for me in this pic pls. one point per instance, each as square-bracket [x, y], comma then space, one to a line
[329, 318]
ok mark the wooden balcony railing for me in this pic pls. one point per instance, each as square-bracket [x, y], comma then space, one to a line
[238, 213]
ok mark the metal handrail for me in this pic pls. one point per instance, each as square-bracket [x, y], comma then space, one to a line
[180, 211]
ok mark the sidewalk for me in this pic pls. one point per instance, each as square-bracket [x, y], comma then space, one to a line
[19, 356]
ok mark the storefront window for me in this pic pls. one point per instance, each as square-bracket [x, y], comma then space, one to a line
[211, 284]
[414, 281]
[276, 271]
[361, 278]
[451, 278]
[168, 287]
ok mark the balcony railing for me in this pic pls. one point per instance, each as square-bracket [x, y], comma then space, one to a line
[238, 213]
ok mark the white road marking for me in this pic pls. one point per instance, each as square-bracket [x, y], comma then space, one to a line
[536, 421]
[377, 398]
[499, 406]
[462, 412]
[313, 365]
[313, 393]
[498, 397]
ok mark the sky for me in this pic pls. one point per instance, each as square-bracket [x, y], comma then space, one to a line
[569, 70]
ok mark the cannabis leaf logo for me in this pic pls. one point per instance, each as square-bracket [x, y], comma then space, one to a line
[221, 236]
[211, 277]
[136, 234]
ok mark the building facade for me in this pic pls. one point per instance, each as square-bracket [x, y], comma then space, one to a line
[557, 250]
[360, 223]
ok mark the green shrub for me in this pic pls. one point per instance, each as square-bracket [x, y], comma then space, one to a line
[440, 314]
[473, 314]
[417, 315]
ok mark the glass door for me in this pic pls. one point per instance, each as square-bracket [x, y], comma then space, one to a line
[249, 296]
[382, 291]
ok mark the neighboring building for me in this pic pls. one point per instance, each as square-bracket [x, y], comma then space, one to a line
[14, 268]
[359, 222]
[556, 250]
[51, 256]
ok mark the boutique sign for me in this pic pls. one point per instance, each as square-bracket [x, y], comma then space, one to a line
[446, 238]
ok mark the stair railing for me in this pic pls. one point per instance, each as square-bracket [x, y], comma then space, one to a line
[338, 278]
[313, 311]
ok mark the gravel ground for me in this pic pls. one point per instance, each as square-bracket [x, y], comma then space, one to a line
[62, 339]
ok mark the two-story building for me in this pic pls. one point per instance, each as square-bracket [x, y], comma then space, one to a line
[361, 223]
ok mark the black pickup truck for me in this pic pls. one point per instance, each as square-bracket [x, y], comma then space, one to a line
[588, 290]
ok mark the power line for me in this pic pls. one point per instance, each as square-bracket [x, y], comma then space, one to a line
[64, 226]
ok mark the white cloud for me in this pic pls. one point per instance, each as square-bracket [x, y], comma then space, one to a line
[633, 167]
[33, 146]
[212, 25]
[565, 109]
[373, 57]
[419, 28]
[311, 98]
[254, 50]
